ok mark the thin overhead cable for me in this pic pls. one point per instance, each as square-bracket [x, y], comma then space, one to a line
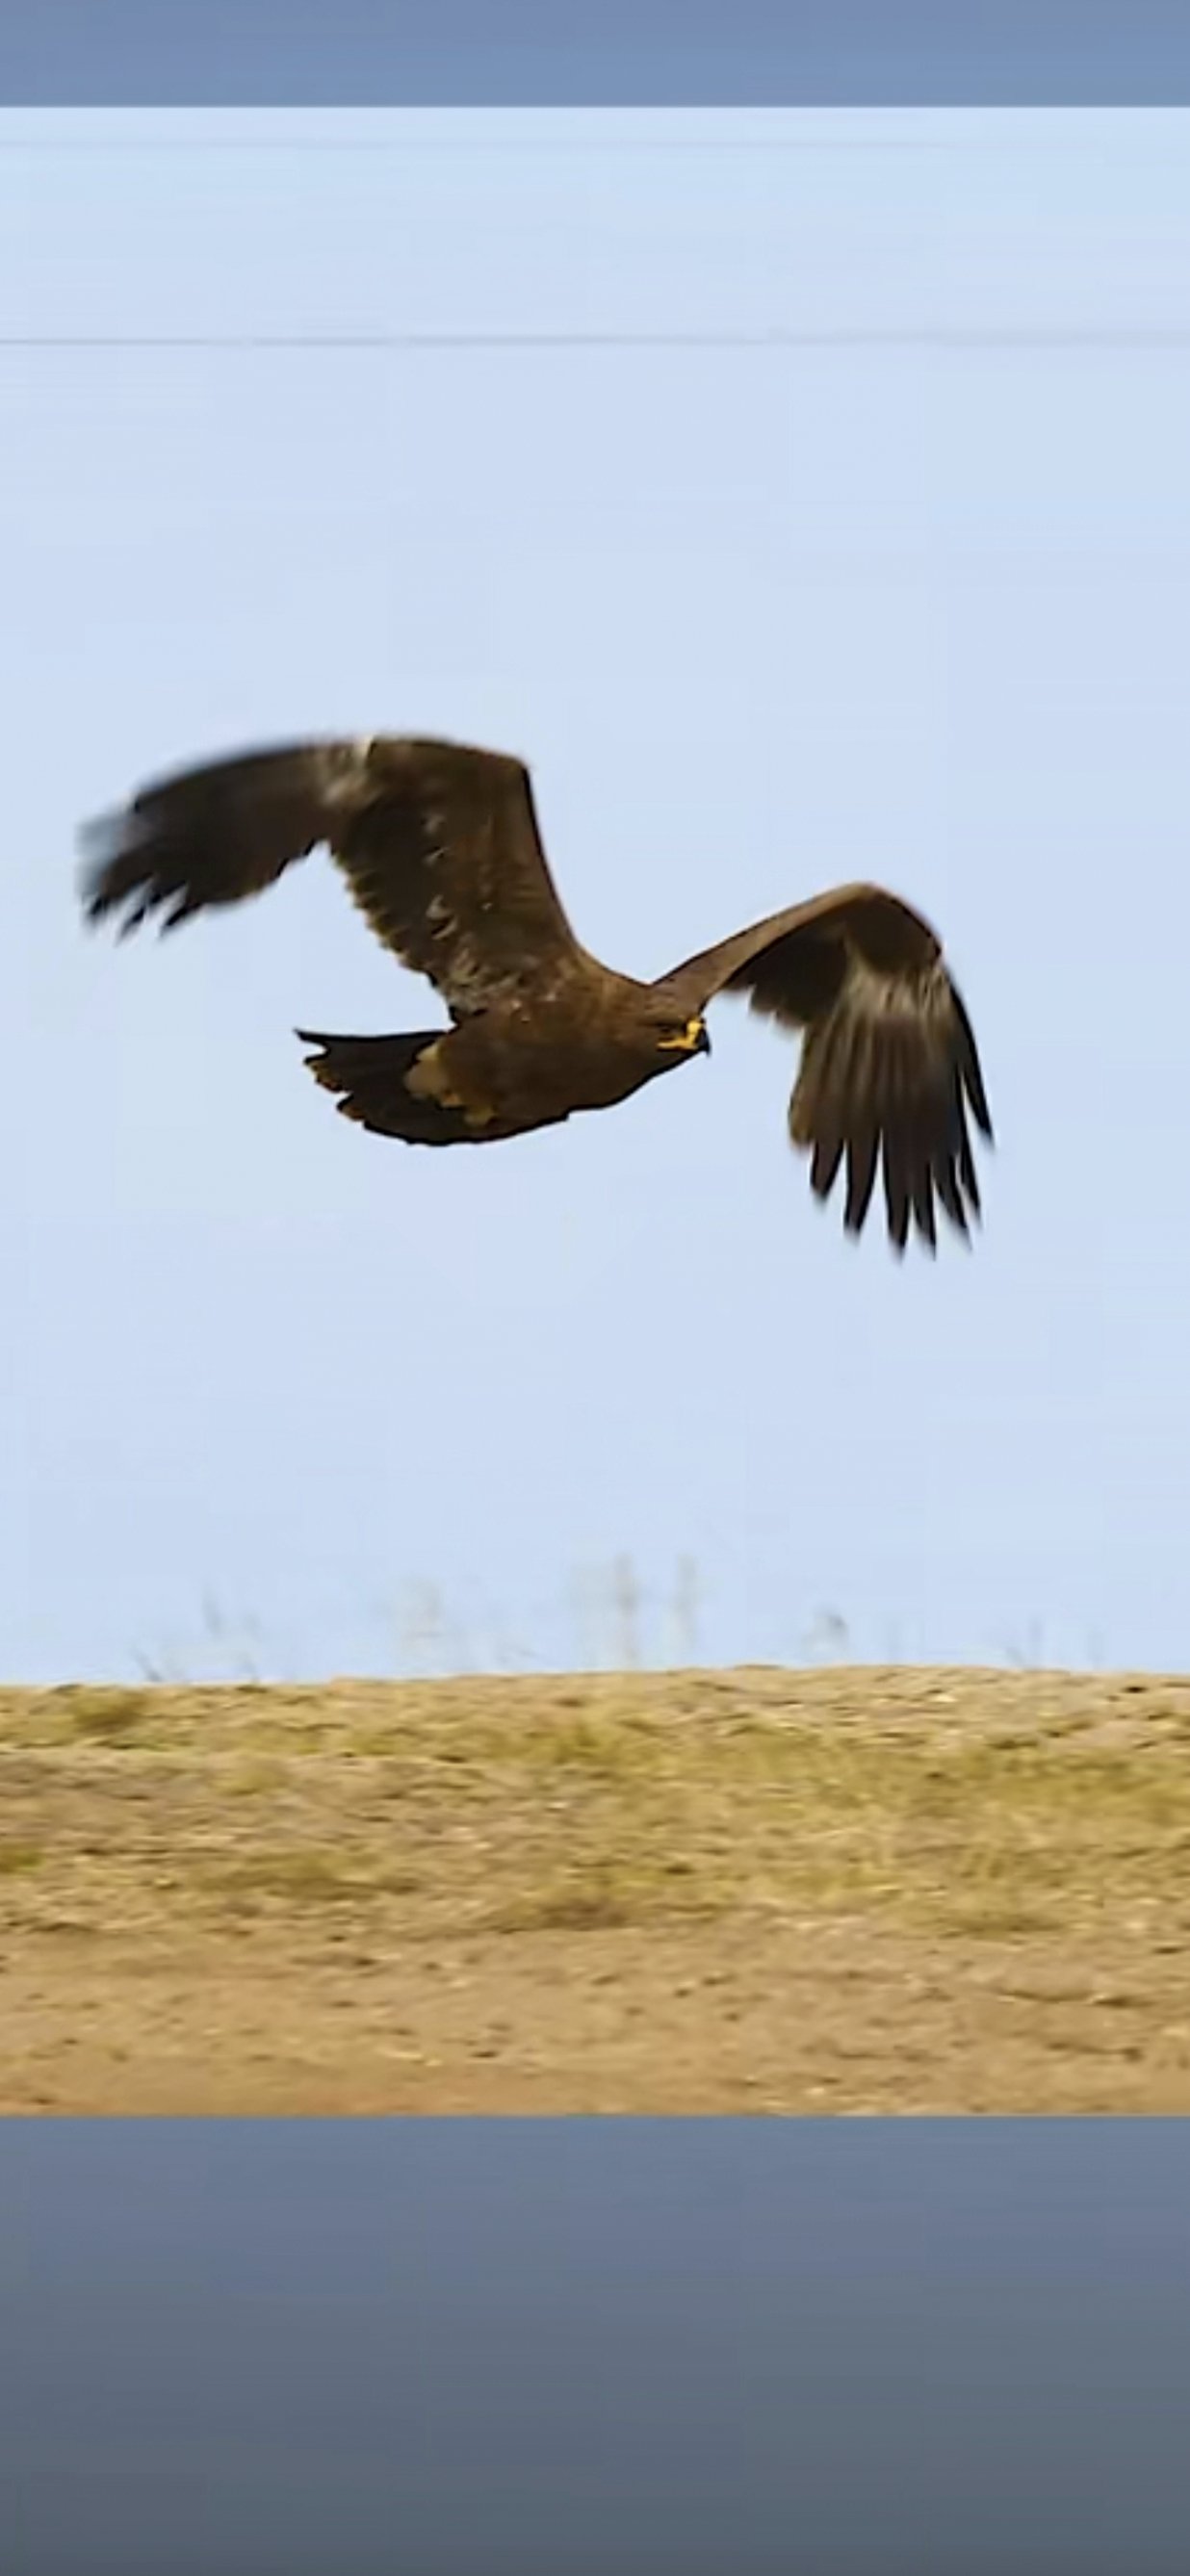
[845, 336]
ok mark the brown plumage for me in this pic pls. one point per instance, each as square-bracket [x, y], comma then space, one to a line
[441, 850]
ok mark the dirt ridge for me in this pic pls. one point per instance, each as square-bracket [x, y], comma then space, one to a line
[851, 1888]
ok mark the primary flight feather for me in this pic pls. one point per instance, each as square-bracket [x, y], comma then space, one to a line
[441, 850]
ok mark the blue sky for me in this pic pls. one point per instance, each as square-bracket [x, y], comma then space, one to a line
[906, 598]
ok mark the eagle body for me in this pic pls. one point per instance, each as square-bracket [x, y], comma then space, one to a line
[513, 1071]
[441, 849]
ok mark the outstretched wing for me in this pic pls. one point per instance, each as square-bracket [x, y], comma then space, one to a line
[439, 844]
[889, 1064]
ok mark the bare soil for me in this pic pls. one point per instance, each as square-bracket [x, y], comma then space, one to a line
[853, 1891]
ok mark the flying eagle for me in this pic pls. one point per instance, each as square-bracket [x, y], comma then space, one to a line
[440, 847]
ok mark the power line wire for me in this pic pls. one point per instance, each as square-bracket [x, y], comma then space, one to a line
[941, 336]
[97, 144]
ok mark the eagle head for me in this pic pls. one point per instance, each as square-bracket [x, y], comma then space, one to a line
[689, 1037]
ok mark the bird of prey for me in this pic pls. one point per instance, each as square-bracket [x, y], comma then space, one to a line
[441, 850]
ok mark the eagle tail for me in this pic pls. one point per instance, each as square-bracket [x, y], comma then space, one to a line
[369, 1074]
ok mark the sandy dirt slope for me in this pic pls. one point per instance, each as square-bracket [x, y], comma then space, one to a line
[843, 1890]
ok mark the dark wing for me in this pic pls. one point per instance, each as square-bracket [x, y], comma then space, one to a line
[439, 844]
[889, 1065]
